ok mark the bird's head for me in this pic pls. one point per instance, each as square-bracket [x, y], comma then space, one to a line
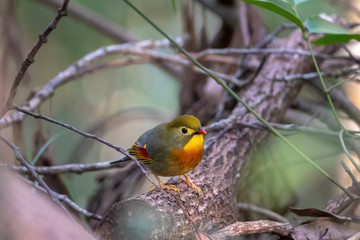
[183, 128]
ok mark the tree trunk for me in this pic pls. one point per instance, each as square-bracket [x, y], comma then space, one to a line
[161, 214]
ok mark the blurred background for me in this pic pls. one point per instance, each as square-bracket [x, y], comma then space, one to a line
[119, 104]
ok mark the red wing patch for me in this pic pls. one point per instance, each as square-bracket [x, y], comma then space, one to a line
[140, 153]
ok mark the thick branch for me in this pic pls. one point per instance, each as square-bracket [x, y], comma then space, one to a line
[181, 216]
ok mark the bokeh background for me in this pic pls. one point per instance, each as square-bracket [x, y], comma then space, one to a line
[120, 104]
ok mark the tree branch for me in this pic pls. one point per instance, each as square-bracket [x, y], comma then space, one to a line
[238, 229]
[85, 134]
[64, 198]
[77, 69]
[217, 126]
[217, 173]
[96, 21]
[267, 51]
[43, 38]
[69, 168]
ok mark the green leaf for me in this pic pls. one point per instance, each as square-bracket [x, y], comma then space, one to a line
[334, 33]
[298, 2]
[281, 7]
[336, 38]
[43, 148]
[317, 24]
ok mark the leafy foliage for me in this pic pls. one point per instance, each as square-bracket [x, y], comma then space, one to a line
[315, 24]
[334, 33]
[280, 7]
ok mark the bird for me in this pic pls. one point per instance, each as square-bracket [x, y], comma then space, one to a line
[171, 149]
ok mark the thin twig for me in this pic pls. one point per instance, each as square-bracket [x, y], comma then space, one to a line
[20, 158]
[327, 94]
[43, 38]
[69, 168]
[85, 134]
[258, 125]
[11, 44]
[343, 145]
[266, 51]
[222, 124]
[76, 70]
[314, 75]
[96, 22]
[350, 54]
[262, 211]
[275, 33]
[83, 66]
[64, 198]
[178, 59]
[106, 27]
[262, 44]
[68, 126]
[77, 208]
[353, 178]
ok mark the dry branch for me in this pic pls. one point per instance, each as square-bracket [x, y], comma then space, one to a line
[43, 38]
[341, 201]
[238, 229]
[68, 168]
[96, 22]
[76, 70]
[267, 51]
[171, 216]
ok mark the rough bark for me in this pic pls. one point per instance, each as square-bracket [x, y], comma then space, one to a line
[165, 215]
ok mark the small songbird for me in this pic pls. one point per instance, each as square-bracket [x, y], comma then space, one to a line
[171, 149]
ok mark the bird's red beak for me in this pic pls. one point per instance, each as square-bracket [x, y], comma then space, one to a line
[202, 131]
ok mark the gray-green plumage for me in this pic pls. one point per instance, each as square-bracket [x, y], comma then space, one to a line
[162, 144]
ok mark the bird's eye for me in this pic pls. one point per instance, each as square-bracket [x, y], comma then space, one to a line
[184, 130]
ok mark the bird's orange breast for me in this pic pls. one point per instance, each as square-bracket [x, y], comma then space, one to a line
[190, 156]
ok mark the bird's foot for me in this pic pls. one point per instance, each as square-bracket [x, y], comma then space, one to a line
[188, 181]
[170, 187]
[164, 186]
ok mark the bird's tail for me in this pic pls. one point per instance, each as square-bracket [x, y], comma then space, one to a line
[123, 159]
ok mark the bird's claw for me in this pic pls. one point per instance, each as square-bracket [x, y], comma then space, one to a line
[170, 187]
[188, 181]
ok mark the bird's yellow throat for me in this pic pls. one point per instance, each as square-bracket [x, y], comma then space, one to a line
[195, 143]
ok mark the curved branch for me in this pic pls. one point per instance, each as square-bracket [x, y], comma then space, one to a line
[77, 69]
